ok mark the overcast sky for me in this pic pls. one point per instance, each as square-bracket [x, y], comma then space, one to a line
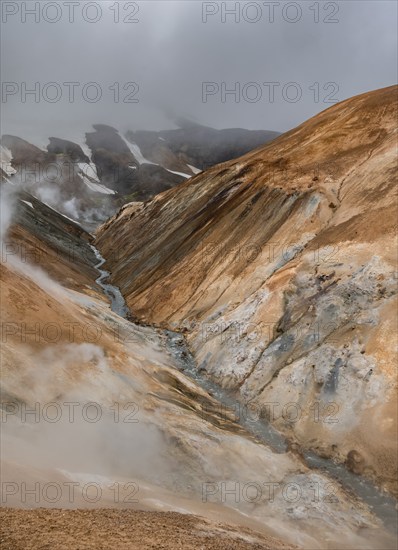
[183, 56]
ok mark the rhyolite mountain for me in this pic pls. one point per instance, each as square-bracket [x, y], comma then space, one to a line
[122, 167]
[59, 146]
[281, 267]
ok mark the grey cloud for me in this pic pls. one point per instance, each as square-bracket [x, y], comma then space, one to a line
[170, 52]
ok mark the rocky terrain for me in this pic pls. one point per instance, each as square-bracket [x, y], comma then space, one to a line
[107, 529]
[280, 266]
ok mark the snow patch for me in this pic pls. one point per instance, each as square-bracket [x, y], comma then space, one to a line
[139, 157]
[194, 169]
[89, 170]
[68, 218]
[5, 159]
[84, 147]
[28, 203]
[98, 187]
[180, 173]
[88, 173]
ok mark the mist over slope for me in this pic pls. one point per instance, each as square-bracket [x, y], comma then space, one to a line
[281, 268]
[200, 146]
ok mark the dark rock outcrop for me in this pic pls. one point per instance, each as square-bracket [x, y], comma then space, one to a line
[72, 150]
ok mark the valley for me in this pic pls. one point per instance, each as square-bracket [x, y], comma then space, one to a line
[223, 346]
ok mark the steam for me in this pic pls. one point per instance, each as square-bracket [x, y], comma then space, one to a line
[69, 423]
[60, 186]
[102, 433]
[7, 205]
[71, 207]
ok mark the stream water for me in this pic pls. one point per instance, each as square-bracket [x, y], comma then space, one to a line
[118, 304]
[382, 505]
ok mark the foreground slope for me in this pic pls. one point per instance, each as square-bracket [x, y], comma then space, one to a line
[126, 530]
[138, 423]
[281, 267]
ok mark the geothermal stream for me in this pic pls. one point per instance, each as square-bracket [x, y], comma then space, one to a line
[118, 304]
[381, 504]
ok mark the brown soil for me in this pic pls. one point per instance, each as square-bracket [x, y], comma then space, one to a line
[122, 529]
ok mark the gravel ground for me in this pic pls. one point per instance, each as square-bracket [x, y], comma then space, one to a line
[122, 529]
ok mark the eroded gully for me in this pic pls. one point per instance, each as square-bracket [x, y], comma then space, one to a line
[381, 504]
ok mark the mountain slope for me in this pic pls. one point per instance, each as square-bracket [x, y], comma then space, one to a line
[281, 266]
[158, 431]
[63, 177]
[120, 167]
